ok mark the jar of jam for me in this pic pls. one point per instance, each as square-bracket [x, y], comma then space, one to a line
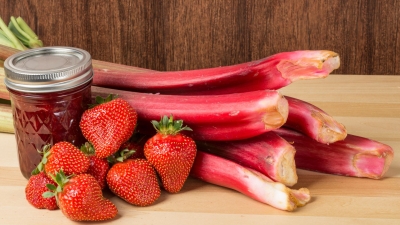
[49, 90]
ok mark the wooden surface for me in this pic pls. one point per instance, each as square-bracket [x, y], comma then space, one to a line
[181, 34]
[369, 106]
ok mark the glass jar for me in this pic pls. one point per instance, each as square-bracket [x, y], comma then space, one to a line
[49, 90]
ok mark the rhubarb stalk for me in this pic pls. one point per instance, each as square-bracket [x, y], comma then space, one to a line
[267, 153]
[223, 172]
[314, 122]
[6, 51]
[6, 119]
[13, 40]
[354, 156]
[4, 94]
[273, 72]
[24, 33]
[213, 117]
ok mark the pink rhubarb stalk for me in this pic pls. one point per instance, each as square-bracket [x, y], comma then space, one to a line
[6, 52]
[354, 156]
[314, 122]
[223, 172]
[267, 153]
[273, 72]
[213, 117]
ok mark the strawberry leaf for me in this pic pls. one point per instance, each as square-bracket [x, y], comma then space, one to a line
[169, 126]
[165, 120]
[110, 98]
[100, 100]
[36, 171]
[48, 194]
[156, 124]
[51, 187]
[88, 149]
[59, 178]
[124, 154]
[45, 152]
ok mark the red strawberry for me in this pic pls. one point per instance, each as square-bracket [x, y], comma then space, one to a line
[80, 198]
[137, 146]
[34, 190]
[63, 155]
[109, 124]
[98, 167]
[171, 153]
[135, 181]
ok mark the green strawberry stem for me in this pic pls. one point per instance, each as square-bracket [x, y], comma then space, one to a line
[45, 152]
[61, 179]
[88, 149]
[100, 100]
[169, 126]
[120, 156]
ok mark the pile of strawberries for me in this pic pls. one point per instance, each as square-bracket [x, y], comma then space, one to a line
[73, 179]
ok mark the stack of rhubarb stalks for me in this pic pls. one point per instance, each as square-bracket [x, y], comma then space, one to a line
[249, 136]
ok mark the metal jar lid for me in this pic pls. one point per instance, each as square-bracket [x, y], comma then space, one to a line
[48, 69]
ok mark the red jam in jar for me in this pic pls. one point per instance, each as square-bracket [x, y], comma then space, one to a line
[49, 90]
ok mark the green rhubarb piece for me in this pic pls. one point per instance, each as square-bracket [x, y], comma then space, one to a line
[5, 41]
[10, 35]
[24, 33]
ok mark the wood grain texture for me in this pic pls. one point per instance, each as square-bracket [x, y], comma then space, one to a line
[180, 34]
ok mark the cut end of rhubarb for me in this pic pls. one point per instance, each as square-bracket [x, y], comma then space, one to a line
[226, 173]
[300, 197]
[309, 65]
[277, 116]
[292, 199]
[275, 194]
[287, 173]
[373, 165]
[329, 130]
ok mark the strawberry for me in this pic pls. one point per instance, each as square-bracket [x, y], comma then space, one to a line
[98, 167]
[63, 155]
[35, 188]
[171, 153]
[109, 124]
[138, 150]
[80, 198]
[135, 181]
[136, 144]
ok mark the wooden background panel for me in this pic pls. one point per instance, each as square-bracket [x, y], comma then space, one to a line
[180, 34]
